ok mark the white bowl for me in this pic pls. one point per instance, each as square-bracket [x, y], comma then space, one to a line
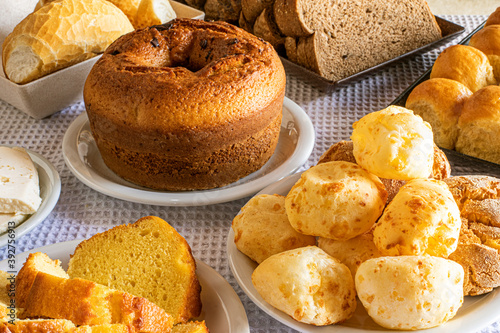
[54, 92]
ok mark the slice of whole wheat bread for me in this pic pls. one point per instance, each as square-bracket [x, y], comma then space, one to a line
[342, 37]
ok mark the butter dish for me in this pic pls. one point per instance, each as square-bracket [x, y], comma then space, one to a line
[50, 189]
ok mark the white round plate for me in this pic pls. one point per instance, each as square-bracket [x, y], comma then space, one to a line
[50, 189]
[294, 147]
[221, 307]
[476, 312]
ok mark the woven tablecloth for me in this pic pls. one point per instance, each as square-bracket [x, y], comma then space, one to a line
[81, 211]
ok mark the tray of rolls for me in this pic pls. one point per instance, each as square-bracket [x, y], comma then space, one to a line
[458, 96]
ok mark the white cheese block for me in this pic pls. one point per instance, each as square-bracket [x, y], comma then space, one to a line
[11, 220]
[19, 188]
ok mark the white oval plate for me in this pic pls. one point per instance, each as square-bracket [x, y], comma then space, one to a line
[50, 189]
[476, 313]
[221, 307]
[294, 147]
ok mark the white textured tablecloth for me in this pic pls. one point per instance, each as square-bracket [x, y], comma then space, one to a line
[81, 211]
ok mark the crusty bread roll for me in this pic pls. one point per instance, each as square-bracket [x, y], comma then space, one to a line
[465, 64]
[423, 218]
[439, 101]
[352, 252]
[338, 200]
[262, 228]
[141, 13]
[478, 198]
[487, 40]
[307, 284]
[394, 143]
[479, 125]
[59, 35]
[410, 292]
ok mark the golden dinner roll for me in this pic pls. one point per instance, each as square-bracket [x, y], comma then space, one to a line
[439, 101]
[410, 292]
[488, 41]
[338, 200]
[423, 218]
[352, 252]
[262, 228]
[307, 284]
[394, 143]
[494, 18]
[479, 125]
[464, 64]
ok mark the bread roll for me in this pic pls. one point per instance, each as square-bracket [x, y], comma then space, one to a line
[338, 200]
[423, 218]
[487, 40]
[308, 285]
[352, 252]
[60, 34]
[494, 18]
[479, 125]
[439, 101]
[394, 143]
[262, 228]
[465, 64]
[410, 292]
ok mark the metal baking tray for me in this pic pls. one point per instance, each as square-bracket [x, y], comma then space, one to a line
[461, 163]
[448, 29]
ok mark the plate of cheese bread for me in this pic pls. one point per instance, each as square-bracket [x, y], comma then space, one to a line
[138, 277]
[378, 224]
[29, 191]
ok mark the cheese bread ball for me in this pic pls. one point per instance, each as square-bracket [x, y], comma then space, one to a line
[262, 228]
[338, 200]
[394, 143]
[352, 252]
[423, 218]
[410, 292]
[308, 285]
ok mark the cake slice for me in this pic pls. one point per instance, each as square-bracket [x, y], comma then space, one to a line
[191, 327]
[37, 326]
[35, 263]
[148, 258]
[47, 292]
[59, 326]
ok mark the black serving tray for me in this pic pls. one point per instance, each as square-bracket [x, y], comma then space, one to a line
[448, 29]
